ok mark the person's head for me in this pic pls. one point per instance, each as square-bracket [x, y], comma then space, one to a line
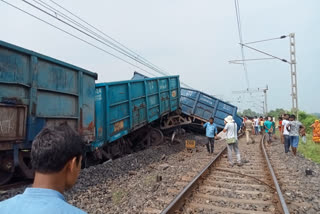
[316, 121]
[280, 118]
[58, 151]
[255, 117]
[270, 119]
[228, 119]
[286, 116]
[211, 120]
[292, 117]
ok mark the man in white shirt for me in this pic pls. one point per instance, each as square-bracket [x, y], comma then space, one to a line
[285, 133]
[232, 139]
[256, 125]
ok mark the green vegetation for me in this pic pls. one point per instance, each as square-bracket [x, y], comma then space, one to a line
[310, 150]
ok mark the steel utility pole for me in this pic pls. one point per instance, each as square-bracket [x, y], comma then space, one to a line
[250, 91]
[294, 87]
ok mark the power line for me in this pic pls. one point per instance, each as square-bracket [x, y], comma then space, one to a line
[123, 51]
[265, 40]
[237, 8]
[87, 34]
[89, 43]
[136, 56]
[73, 14]
[283, 60]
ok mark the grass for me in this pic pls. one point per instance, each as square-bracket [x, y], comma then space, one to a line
[310, 150]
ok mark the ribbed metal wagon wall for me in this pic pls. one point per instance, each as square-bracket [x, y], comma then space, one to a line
[36, 90]
[202, 106]
[122, 107]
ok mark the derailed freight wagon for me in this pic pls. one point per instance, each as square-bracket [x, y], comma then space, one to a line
[200, 107]
[128, 113]
[38, 91]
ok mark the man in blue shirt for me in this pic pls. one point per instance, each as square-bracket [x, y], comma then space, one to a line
[56, 156]
[211, 132]
[268, 128]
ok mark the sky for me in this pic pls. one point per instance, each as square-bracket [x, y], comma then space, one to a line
[193, 39]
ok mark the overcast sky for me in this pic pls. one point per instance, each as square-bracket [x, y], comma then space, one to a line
[194, 39]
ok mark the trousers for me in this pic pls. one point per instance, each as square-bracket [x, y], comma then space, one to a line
[248, 136]
[286, 143]
[210, 144]
[233, 146]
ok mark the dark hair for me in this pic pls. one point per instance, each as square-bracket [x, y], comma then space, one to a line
[211, 118]
[54, 147]
[293, 116]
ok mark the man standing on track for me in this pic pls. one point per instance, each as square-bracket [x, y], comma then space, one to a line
[211, 133]
[256, 125]
[248, 128]
[294, 129]
[268, 129]
[232, 139]
[56, 158]
[285, 133]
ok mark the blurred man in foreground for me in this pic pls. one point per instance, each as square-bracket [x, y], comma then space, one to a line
[56, 158]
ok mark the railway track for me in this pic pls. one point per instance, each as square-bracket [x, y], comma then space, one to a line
[218, 188]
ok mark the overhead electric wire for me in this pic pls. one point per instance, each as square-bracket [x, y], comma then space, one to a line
[73, 14]
[283, 60]
[135, 57]
[140, 59]
[265, 40]
[89, 43]
[57, 12]
[87, 34]
[237, 8]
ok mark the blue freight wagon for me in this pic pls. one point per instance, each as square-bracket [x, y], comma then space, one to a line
[126, 106]
[38, 91]
[201, 106]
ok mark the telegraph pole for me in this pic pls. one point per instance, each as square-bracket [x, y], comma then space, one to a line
[294, 87]
[265, 99]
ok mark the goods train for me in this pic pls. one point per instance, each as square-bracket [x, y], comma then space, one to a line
[114, 118]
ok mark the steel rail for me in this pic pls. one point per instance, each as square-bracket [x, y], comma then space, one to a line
[283, 207]
[178, 201]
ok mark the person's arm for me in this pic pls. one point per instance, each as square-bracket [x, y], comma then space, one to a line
[205, 125]
[216, 131]
[288, 127]
[225, 128]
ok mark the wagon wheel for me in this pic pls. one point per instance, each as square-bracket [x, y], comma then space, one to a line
[25, 164]
[156, 136]
[6, 169]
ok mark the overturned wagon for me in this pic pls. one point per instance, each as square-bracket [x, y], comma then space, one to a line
[129, 112]
[200, 107]
[38, 91]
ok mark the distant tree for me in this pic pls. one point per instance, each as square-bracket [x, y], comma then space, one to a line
[316, 114]
[249, 113]
[277, 112]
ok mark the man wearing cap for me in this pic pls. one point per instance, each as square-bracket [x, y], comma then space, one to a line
[232, 139]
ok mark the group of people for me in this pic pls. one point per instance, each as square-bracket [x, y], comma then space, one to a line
[291, 129]
[256, 126]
